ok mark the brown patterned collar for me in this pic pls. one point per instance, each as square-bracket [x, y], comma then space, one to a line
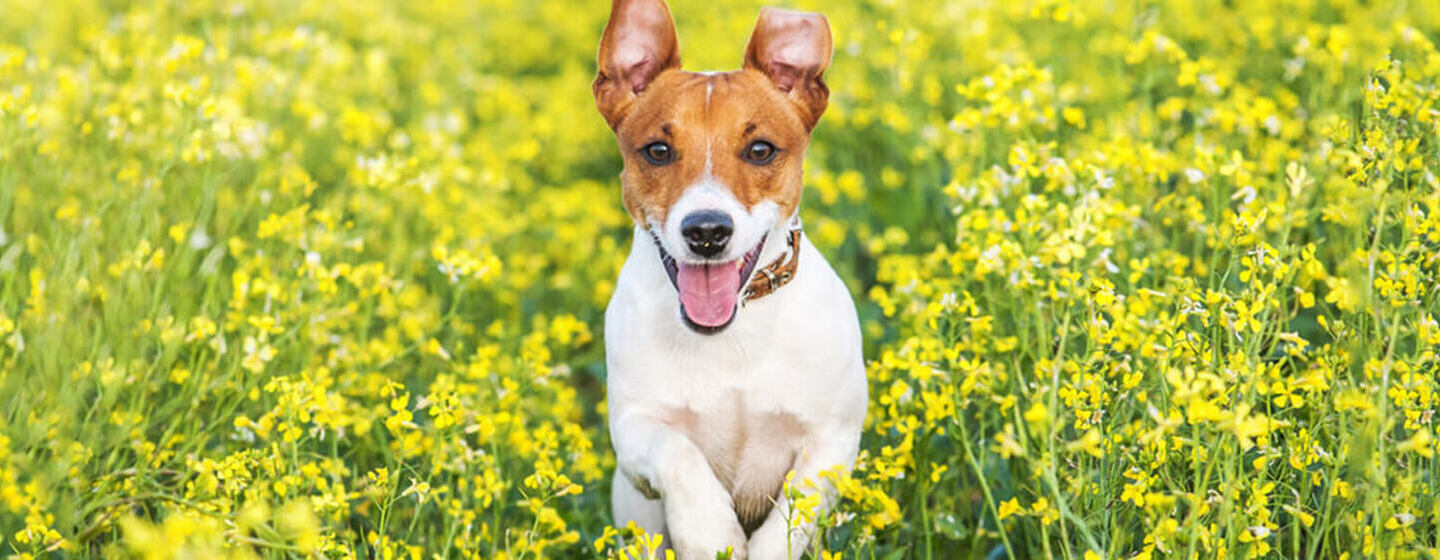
[779, 272]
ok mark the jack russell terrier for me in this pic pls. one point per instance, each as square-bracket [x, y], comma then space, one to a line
[733, 349]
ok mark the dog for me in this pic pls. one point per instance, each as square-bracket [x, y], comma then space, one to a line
[733, 350]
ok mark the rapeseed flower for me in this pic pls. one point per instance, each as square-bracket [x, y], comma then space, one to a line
[329, 280]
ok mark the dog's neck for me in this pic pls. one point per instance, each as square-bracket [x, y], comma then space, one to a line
[781, 268]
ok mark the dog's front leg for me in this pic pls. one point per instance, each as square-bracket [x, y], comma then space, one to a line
[661, 462]
[777, 539]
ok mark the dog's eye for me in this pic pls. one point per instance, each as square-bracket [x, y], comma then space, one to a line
[760, 152]
[657, 153]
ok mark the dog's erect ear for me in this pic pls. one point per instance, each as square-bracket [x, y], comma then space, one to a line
[793, 49]
[639, 43]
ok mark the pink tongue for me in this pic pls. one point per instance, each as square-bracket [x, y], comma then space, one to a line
[709, 292]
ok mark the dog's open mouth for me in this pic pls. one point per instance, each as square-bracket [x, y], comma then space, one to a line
[710, 292]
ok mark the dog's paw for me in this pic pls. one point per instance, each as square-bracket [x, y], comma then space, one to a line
[770, 542]
[711, 546]
[698, 549]
[707, 537]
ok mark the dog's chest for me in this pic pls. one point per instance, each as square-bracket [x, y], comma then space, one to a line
[750, 450]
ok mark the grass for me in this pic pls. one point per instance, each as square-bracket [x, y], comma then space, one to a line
[1138, 279]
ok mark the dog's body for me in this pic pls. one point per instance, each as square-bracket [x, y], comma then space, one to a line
[729, 415]
[715, 398]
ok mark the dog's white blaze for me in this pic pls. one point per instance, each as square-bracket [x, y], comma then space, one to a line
[710, 88]
[709, 165]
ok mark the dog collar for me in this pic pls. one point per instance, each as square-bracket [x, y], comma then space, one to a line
[779, 272]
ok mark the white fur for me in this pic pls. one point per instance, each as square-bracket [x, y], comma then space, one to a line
[711, 424]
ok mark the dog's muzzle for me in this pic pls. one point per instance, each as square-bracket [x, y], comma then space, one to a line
[709, 291]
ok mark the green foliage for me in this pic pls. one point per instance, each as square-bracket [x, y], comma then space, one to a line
[1138, 279]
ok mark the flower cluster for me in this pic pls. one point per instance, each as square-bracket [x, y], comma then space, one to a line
[1138, 280]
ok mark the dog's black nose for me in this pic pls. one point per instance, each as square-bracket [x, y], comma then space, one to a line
[707, 232]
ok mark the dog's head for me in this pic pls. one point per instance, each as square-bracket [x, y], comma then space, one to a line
[712, 160]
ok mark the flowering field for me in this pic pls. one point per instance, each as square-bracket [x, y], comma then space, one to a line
[1138, 279]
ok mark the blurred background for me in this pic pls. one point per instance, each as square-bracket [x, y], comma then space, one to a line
[1137, 278]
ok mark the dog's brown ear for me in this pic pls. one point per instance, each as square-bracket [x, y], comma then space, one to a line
[793, 49]
[639, 43]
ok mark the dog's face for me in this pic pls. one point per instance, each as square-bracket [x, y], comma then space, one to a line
[712, 160]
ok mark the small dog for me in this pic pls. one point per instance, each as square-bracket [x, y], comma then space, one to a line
[733, 349]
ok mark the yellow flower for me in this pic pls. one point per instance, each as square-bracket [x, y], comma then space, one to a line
[1009, 507]
[1421, 443]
